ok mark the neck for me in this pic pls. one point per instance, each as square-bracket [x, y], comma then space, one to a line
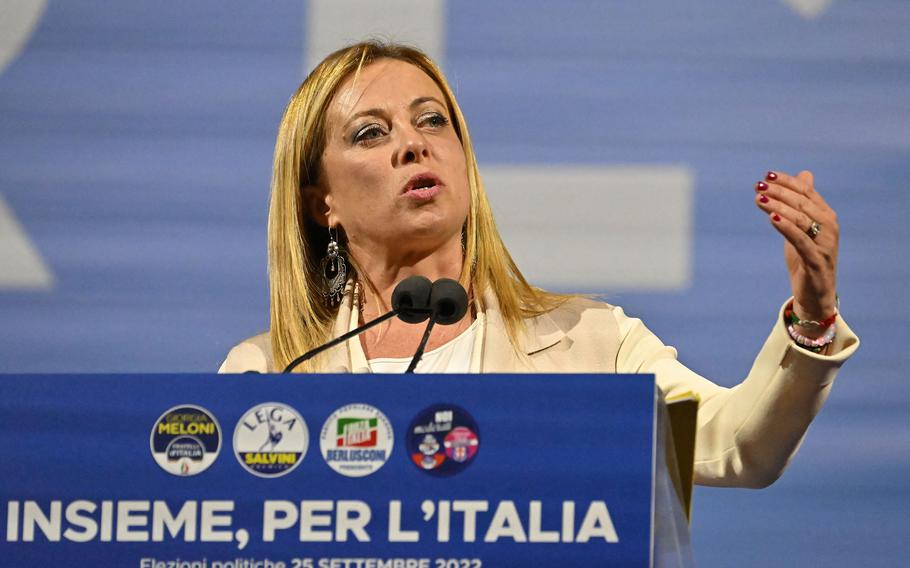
[382, 269]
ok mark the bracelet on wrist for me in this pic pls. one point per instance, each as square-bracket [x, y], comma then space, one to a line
[812, 344]
[791, 318]
[816, 344]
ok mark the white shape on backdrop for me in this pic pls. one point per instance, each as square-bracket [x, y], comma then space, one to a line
[18, 19]
[809, 9]
[331, 24]
[22, 265]
[596, 228]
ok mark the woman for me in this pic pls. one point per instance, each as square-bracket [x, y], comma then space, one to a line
[375, 180]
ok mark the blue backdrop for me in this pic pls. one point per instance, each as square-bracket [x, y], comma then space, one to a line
[135, 152]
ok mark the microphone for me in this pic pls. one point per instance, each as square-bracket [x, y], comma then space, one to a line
[411, 299]
[410, 302]
[448, 304]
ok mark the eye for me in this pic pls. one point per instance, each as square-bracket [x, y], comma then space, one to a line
[433, 120]
[368, 133]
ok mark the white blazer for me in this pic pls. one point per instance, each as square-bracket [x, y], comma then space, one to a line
[746, 434]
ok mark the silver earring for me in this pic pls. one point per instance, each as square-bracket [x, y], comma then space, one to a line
[334, 273]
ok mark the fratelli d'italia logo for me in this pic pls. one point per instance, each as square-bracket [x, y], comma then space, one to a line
[271, 439]
[356, 440]
[186, 440]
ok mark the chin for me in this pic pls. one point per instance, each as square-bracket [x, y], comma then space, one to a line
[435, 233]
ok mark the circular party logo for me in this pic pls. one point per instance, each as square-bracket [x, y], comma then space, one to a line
[356, 440]
[443, 439]
[186, 440]
[271, 439]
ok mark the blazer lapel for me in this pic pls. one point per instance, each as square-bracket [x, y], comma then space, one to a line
[498, 356]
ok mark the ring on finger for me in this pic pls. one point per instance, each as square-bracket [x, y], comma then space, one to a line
[814, 229]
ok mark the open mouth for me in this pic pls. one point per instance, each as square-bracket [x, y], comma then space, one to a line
[422, 186]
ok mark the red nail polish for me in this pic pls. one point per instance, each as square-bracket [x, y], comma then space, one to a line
[761, 186]
[763, 198]
[770, 176]
[776, 217]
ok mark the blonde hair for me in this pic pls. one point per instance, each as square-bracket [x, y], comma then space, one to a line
[300, 320]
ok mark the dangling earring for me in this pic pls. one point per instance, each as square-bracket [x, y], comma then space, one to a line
[334, 272]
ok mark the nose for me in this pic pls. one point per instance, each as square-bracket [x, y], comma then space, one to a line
[413, 149]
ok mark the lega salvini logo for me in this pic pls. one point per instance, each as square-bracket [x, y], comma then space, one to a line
[271, 439]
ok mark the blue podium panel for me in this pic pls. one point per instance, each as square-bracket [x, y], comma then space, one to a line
[327, 470]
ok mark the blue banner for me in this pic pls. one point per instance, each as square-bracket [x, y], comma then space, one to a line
[327, 471]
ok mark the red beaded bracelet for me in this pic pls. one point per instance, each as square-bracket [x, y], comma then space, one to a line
[815, 345]
[791, 318]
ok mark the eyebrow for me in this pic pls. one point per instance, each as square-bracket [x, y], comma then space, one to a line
[377, 111]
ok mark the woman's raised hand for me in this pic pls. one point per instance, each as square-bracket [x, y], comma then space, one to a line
[798, 211]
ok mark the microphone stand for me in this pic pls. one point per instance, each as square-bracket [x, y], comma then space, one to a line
[448, 304]
[422, 346]
[353, 332]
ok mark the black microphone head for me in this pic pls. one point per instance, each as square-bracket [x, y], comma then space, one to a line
[411, 299]
[449, 301]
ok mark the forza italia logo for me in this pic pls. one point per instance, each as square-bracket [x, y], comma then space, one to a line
[271, 439]
[356, 440]
[356, 432]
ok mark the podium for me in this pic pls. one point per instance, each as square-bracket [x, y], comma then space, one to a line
[365, 471]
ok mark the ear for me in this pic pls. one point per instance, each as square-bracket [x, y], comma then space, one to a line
[318, 204]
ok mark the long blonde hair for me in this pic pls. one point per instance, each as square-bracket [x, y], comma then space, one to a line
[300, 320]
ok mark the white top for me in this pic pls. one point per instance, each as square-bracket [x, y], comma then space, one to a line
[452, 357]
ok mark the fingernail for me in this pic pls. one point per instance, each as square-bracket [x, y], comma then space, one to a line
[770, 176]
[776, 217]
[761, 186]
[763, 198]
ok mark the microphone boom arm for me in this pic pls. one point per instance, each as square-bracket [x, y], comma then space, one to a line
[345, 337]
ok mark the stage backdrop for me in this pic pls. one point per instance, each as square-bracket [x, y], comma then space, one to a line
[621, 139]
